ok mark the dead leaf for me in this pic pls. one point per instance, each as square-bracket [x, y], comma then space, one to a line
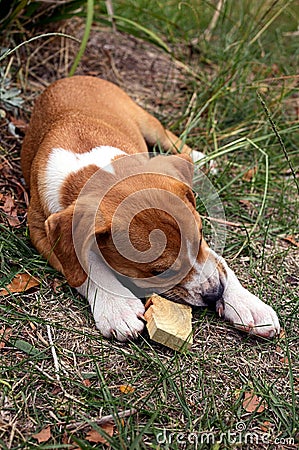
[13, 220]
[282, 334]
[10, 210]
[250, 174]
[22, 282]
[284, 360]
[9, 204]
[56, 284]
[65, 438]
[246, 203]
[265, 426]
[252, 403]
[126, 389]
[56, 390]
[94, 436]
[44, 435]
[291, 239]
[5, 334]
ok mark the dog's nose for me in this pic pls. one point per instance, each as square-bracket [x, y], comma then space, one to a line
[213, 296]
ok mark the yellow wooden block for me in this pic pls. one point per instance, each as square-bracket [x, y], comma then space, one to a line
[169, 323]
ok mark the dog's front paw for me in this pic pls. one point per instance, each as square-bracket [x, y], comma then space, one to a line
[246, 311]
[252, 315]
[119, 318]
[198, 156]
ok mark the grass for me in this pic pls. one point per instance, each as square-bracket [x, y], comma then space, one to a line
[55, 368]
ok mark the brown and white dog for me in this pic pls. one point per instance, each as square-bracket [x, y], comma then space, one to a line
[117, 223]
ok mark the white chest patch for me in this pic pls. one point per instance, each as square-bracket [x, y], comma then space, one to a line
[63, 162]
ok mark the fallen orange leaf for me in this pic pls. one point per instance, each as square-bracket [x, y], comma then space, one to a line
[44, 435]
[10, 209]
[265, 426]
[291, 239]
[252, 403]
[21, 283]
[284, 360]
[250, 174]
[126, 389]
[94, 436]
[282, 334]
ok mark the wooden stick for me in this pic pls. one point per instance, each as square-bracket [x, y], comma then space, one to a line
[169, 323]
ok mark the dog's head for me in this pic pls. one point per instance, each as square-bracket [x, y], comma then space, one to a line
[141, 217]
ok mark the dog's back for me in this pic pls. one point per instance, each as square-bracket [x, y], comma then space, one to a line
[67, 103]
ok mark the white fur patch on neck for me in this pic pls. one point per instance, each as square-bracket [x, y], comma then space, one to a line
[63, 162]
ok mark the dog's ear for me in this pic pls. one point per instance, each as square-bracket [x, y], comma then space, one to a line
[60, 234]
[71, 241]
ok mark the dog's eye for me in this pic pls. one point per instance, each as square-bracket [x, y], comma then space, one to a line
[157, 272]
[167, 273]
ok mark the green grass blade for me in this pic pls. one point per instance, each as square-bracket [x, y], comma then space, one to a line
[89, 19]
[153, 36]
[40, 36]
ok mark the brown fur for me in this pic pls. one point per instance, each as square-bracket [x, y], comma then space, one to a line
[78, 114]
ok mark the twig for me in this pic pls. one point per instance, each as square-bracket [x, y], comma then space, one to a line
[66, 394]
[42, 371]
[120, 415]
[56, 365]
[54, 354]
[12, 434]
[103, 420]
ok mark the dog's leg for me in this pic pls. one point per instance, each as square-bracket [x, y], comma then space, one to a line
[115, 309]
[154, 133]
[246, 311]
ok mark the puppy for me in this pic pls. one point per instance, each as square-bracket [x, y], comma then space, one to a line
[117, 223]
